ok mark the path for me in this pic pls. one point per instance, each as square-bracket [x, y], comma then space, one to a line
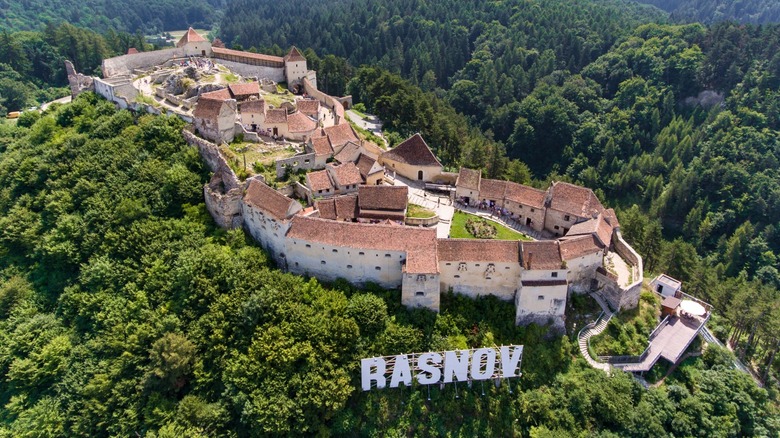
[369, 123]
[441, 205]
[620, 267]
[594, 329]
[61, 100]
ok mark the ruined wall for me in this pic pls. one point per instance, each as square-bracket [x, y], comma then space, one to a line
[251, 71]
[223, 203]
[77, 81]
[125, 64]
[303, 161]
[630, 294]
[210, 154]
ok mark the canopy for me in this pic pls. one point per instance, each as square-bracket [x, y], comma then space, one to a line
[693, 308]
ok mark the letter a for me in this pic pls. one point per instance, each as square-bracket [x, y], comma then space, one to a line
[401, 372]
[366, 376]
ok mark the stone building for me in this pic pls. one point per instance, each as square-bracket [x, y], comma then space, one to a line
[215, 116]
[413, 159]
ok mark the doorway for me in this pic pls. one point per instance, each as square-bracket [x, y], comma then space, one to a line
[276, 131]
[419, 175]
[528, 222]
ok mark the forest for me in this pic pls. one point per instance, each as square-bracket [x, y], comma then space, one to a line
[711, 11]
[124, 311]
[103, 15]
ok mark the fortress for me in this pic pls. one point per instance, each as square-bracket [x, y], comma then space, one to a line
[353, 227]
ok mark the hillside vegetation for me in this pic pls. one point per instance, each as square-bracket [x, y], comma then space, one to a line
[124, 312]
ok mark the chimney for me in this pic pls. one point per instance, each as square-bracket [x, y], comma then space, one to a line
[528, 262]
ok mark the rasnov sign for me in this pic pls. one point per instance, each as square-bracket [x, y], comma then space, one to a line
[442, 367]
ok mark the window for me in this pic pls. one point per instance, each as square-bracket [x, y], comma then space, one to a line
[308, 246]
[476, 264]
[488, 278]
[361, 253]
[419, 293]
[540, 297]
[296, 263]
[322, 262]
[556, 227]
[349, 266]
[532, 210]
[319, 191]
[555, 275]
[449, 264]
[335, 250]
[378, 268]
[567, 218]
[387, 255]
[520, 207]
[457, 276]
[506, 267]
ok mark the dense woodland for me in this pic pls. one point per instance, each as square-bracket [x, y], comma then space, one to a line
[710, 11]
[125, 312]
[103, 15]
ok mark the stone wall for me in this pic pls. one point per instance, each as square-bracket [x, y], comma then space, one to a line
[303, 161]
[125, 64]
[328, 101]
[77, 81]
[421, 290]
[630, 296]
[210, 154]
[223, 202]
[253, 71]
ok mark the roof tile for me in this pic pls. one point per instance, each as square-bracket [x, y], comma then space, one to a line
[413, 151]
[477, 250]
[382, 197]
[269, 200]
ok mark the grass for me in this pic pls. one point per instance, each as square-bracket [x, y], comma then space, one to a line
[627, 333]
[142, 98]
[458, 229]
[417, 211]
[277, 99]
[366, 134]
[230, 78]
[256, 153]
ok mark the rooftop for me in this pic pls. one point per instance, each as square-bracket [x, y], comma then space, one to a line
[300, 122]
[339, 135]
[576, 200]
[294, 55]
[468, 178]
[543, 254]
[321, 146]
[477, 250]
[418, 243]
[525, 195]
[245, 90]
[268, 200]
[382, 197]
[248, 55]
[319, 180]
[345, 174]
[579, 246]
[310, 107]
[413, 151]
[190, 37]
[276, 115]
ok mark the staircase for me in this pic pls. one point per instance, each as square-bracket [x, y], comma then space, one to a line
[594, 329]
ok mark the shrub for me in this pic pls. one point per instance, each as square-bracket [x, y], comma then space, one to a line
[480, 228]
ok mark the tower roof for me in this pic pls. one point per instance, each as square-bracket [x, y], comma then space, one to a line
[190, 37]
[294, 55]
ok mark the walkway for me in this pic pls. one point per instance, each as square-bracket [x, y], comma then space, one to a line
[594, 329]
[669, 343]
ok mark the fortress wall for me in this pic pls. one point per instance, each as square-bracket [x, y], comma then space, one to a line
[474, 279]
[273, 73]
[125, 64]
[210, 154]
[326, 100]
[629, 297]
[224, 207]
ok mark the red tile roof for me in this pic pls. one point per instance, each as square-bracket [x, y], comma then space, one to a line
[468, 179]
[319, 180]
[294, 55]
[256, 106]
[321, 146]
[345, 174]
[276, 115]
[383, 197]
[418, 243]
[578, 246]
[599, 227]
[412, 151]
[525, 195]
[476, 250]
[217, 43]
[338, 208]
[367, 166]
[249, 55]
[244, 90]
[310, 107]
[492, 189]
[611, 217]
[190, 37]
[208, 108]
[269, 200]
[132, 51]
[575, 200]
[544, 254]
[221, 94]
[339, 135]
[300, 122]
[347, 153]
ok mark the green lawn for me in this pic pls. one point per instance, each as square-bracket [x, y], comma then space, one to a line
[458, 229]
[417, 211]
